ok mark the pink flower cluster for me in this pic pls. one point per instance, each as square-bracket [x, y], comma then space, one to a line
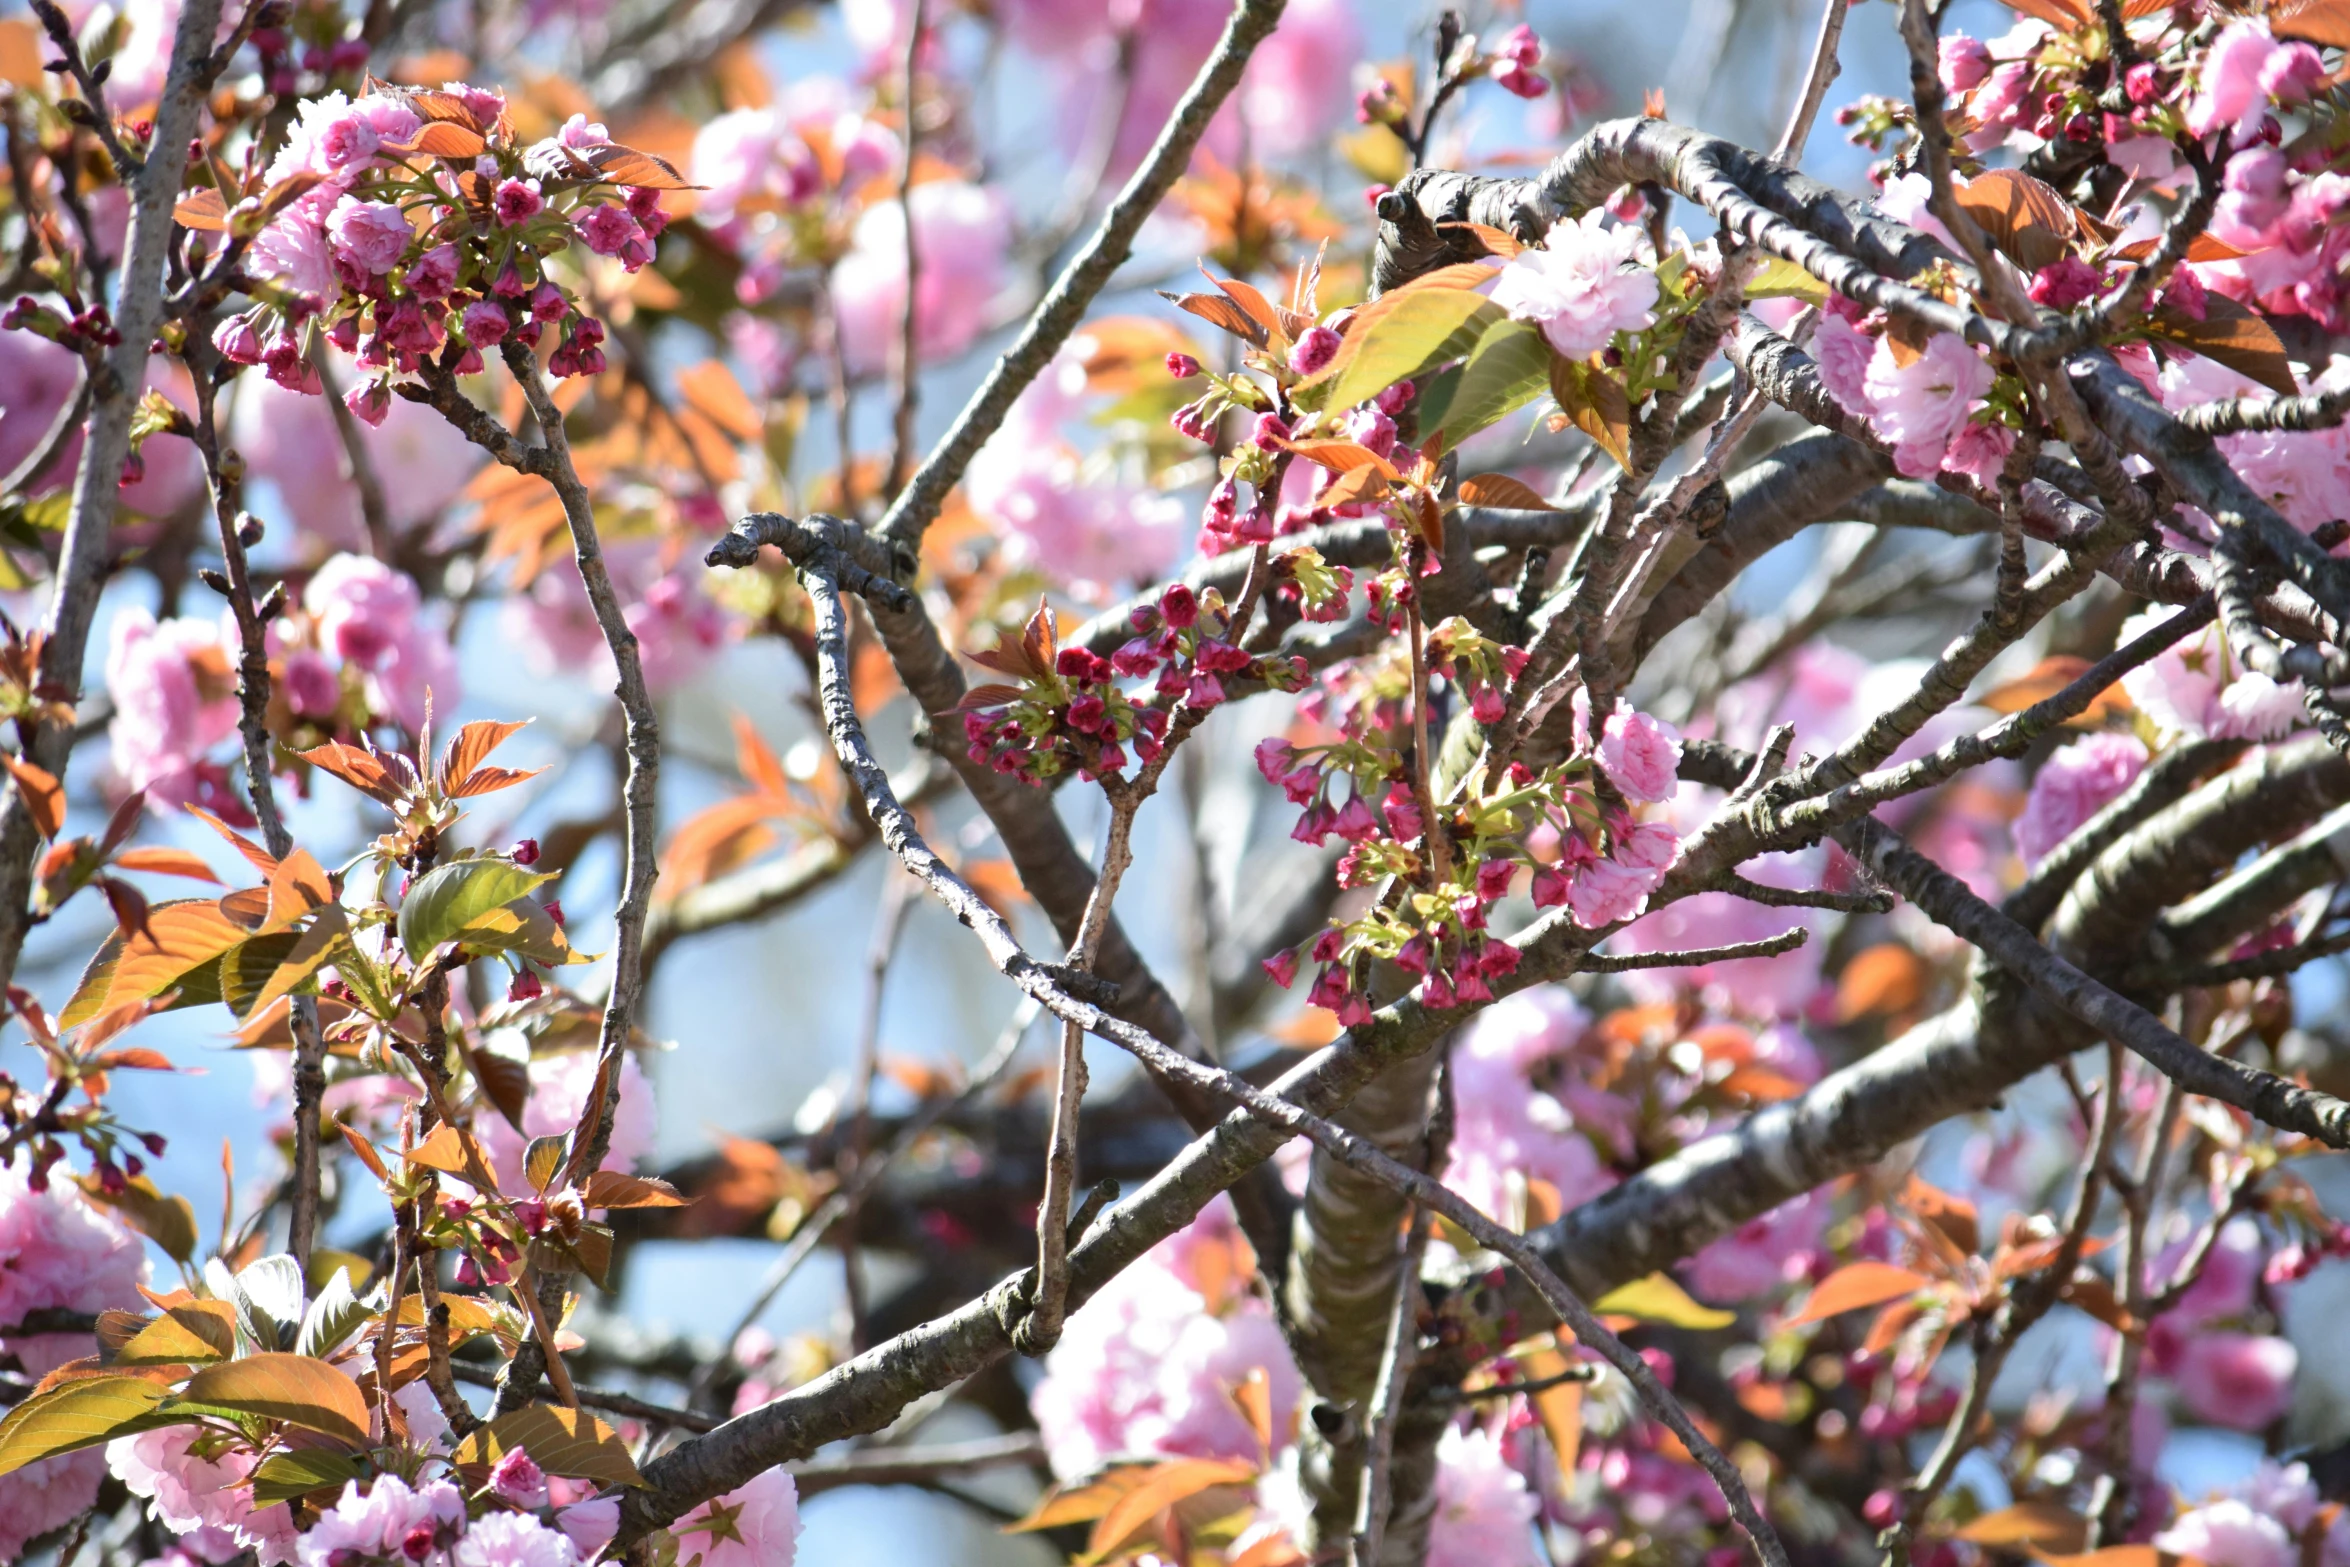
[187, 1493]
[678, 628]
[2195, 689]
[1149, 1364]
[173, 684]
[1507, 1128]
[754, 1525]
[1583, 285]
[56, 1253]
[1082, 524]
[2223, 1375]
[369, 617]
[2073, 785]
[1920, 407]
[2261, 1522]
[559, 1087]
[962, 233]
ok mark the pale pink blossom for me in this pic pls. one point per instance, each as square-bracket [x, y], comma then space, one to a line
[2229, 1533]
[1584, 284]
[370, 615]
[518, 1479]
[174, 689]
[1919, 406]
[47, 1495]
[388, 1522]
[1607, 891]
[2240, 1380]
[295, 248]
[2229, 90]
[753, 1525]
[1963, 62]
[2073, 785]
[558, 1092]
[1763, 1253]
[1998, 104]
[677, 626]
[1484, 1513]
[1082, 522]
[752, 154]
[1640, 755]
[1148, 1365]
[2149, 158]
[1980, 451]
[1507, 1129]
[1300, 80]
[2197, 688]
[512, 1540]
[370, 235]
[590, 1525]
[961, 233]
[57, 1252]
[1908, 200]
[191, 1493]
[424, 460]
[1842, 352]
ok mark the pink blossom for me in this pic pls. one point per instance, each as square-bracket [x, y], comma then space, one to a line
[1980, 451]
[1577, 286]
[590, 1525]
[677, 625]
[389, 1522]
[368, 613]
[2152, 159]
[1506, 1129]
[1998, 104]
[2240, 1380]
[2075, 784]
[518, 1479]
[192, 1493]
[47, 1495]
[1148, 1364]
[1605, 892]
[1964, 62]
[1761, 1254]
[517, 201]
[294, 248]
[38, 376]
[2228, 1533]
[2197, 689]
[512, 1540]
[57, 1252]
[2229, 92]
[174, 691]
[336, 138]
[1054, 512]
[1640, 755]
[1314, 350]
[1300, 80]
[1842, 352]
[961, 232]
[2254, 200]
[370, 235]
[1908, 199]
[1484, 1513]
[1919, 406]
[558, 1091]
[753, 1525]
[282, 434]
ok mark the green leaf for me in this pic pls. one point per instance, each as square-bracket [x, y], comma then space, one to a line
[170, 1222]
[247, 968]
[326, 941]
[269, 1300]
[1658, 1299]
[1391, 341]
[1779, 278]
[522, 926]
[333, 1317]
[568, 1442]
[454, 896]
[284, 1476]
[1507, 369]
[73, 1415]
[290, 1388]
[196, 1334]
[541, 1160]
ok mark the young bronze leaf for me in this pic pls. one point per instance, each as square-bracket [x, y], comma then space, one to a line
[1855, 1285]
[203, 211]
[192, 1335]
[505, 1083]
[2325, 23]
[1356, 484]
[255, 855]
[1499, 489]
[1085, 1502]
[355, 767]
[166, 862]
[2037, 1525]
[627, 166]
[541, 1160]
[1217, 310]
[2231, 334]
[611, 1189]
[44, 796]
[1162, 1487]
[568, 1442]
[470, 749]
[449, 1151]
[1256, 306]
[78, 1414]
[1340, 456]
[180, 938]
[448, 139]
[364, 1149]
[292, 1388]
[2022, 216]
[1595, 403]
[1497, 242]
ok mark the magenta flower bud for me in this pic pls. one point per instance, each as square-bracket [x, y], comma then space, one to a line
[1402, 812]
[547, 303]
[2143, 83]
[1281, 967]
[1314, 350]
[1395, 399]
[1179, 605]
[238, 343]
[2064, 283]
[1274, 758]
[483, 324]
[525, 852]
[1270, 431]
[526, 987]
[518, 1478]
[1493, 879]
[369, 402]
[434, 274]
[1551, 886]
[1191, 421]
[517, 201]
[1355, 821]
[1182, 366]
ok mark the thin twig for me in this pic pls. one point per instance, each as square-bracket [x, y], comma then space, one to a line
[901, 457]
[1824, 71]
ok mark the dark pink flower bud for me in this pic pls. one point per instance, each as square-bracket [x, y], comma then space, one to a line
[525, 852]
[1314, 351]
[1282, 967]
[1182, 366]
[2143, 83]
[483, 323]
[1551, 886]
[370, 401]
[1179, 605]
[1396, 398]
[1401, 808]
[1270, 431]
[1493, 878]
[547, 303]
[517, 201]
[237, 341]
[526, 987]
[1355, 821]
[434, 274]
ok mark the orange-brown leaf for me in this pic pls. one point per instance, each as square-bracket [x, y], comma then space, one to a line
[2051, 675]
[166, 862]
[627, 166]
[471, 748]
[1499, 489]
[2024, 217]
[203, 211]
[255, 855]
[2325, 23]
[1254, 304]
[1163, 1486]
[446, 139]
[2037, 1525]
[44, 796]
[711, 390]
[611, 1189]
[1219, 311]
[1341, 456]
[1352, 486]
[355, 767]
[1855, 1285]
[2233, 335]
[1497, 242]
[1886, 980]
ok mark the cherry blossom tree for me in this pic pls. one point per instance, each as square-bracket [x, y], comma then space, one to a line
[1755, 773]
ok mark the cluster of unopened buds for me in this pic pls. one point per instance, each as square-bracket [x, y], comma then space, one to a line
[83, 331]
[344, 258]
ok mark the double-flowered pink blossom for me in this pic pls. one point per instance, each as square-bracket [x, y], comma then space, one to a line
[2198, 689]
[2244, 72]
[187, 1492]
[1484, 1510]
[2074, 784]
[1582, 286]
[1640, 755]
[1509, 1129]
[388, 1523]
[1148, 1365]
[371, 616]
[1921, 405]
[513, 1540]
[753, 1525]
[173, 684]
[961, 234]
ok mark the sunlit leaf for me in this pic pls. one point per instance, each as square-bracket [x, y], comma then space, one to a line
[290, 1388]
[2044, 680]
[1594, 402]
[76, 1415]
[2232, 335]
[2023, 217]
[195, 1334]
[446, 900]
[1499, 489]
[181, 937]
[43, 795]
[1164, 1485]
[1399, 335]
[568, 1442]
[1855, 1285]
[283, 1476]
[612, 1189]
[168, 1221]
[166, 862]
[1884, 980]
[1658, 1298]
[333, 1317]
[360, 769]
